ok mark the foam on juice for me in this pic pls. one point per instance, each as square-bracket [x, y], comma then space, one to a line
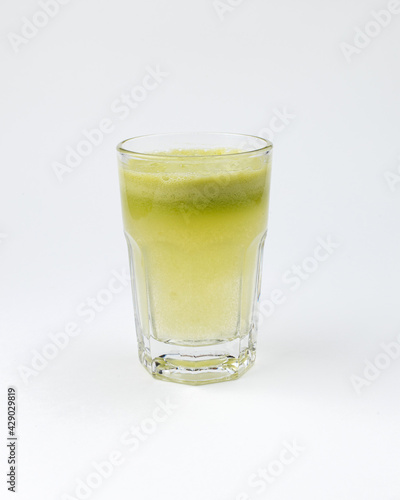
[195, 226]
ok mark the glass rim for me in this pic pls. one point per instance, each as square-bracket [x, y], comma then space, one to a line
[265, 148]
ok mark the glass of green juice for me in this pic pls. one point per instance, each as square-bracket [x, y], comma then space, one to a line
[195, 209]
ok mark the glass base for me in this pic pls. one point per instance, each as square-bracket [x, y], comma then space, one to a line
[198, 364]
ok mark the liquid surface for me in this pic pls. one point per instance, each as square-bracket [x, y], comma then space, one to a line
[195, 226]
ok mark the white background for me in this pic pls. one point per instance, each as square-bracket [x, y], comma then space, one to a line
[61, 241]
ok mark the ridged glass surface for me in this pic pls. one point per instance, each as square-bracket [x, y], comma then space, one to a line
[195, 224]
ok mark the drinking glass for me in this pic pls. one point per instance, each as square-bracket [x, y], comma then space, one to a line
[195, 209]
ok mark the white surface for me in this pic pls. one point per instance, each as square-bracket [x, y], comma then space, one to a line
[61, 242]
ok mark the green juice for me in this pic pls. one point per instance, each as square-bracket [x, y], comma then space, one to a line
[195, 221]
